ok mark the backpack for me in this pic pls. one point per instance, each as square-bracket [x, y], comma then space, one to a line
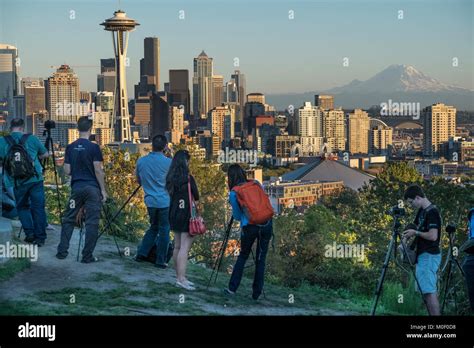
[18, 162]
[468, 246]
[254, 202]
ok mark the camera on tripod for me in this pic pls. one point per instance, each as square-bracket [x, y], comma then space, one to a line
[450, 228]
[48, 125]
[396, 211]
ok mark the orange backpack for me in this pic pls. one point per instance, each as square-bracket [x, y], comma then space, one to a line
[254, 202]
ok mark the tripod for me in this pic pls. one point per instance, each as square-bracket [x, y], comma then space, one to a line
[81, 233]
[111, 220]
[391, 250]
[452, 263]
[50, 148]
[221, 253]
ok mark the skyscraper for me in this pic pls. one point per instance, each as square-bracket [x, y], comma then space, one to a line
[120, 26]
[241, 89]
[160, 114]
[217, 120]
[358, 132]
[380, 138]
[63, 95]
[8, 78]
[310, 121]
[179, 88]
[439, 124]
[256, 97]
[334, 129]
[202, 85]
[325, 102]
[151, 61]
[217, 90]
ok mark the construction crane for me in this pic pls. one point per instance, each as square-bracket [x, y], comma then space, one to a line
[74, 66]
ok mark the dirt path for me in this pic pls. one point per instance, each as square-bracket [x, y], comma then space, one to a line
[139, 289]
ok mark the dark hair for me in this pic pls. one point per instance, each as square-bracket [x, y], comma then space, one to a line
[17, 122]
[412, 191]
[84, 124]
[159, 143]
[178, 173]
[235, 176]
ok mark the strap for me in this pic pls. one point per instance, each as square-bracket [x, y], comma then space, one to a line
[10, 140]
[190, 197]
[24, 138]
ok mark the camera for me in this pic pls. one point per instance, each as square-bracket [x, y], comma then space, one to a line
[49, 124]
[396, 211]
[451, 228]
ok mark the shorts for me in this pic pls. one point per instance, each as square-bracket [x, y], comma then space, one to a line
[427, 272]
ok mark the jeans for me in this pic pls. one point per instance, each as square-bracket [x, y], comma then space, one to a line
[468, 268]
[30, 205]
[158, 233]
[250, 233]
[90, 198]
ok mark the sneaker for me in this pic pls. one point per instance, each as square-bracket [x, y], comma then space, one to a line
[227, 291]
[190, 283]
[185, 286]
[29, 239]
[61, 256]
[50, 228]
[165, 266]
[38, 242]
[140, 258]
[94, 259]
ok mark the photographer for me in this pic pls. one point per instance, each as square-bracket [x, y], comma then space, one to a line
[428, 253]
[20, 154]
[84, 163]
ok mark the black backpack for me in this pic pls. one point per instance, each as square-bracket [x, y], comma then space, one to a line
[18, 162]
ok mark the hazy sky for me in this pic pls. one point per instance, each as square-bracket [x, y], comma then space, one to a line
[278, 54]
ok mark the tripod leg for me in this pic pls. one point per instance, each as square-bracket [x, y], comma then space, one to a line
[382, 275]
[446, 287]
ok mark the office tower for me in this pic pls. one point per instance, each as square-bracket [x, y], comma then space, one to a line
[202, 85]
[256, 97]
[63, 95]
[120, 26]
[8, 79]
[325, 102]
[85, 96]
[252, 110]
[107, 65]
[231, 94]
[30, 81]
[104, 101]
[179, 88]
[358, 132]
[265, 135]
[160, 114]
[142, 110]
[217, 90]
[151, 61]
[380, 138]
[19, 106]
[34, 93]
[310, 121]
[439, 124]
[285, 144]
[334, 129]
[240, 82]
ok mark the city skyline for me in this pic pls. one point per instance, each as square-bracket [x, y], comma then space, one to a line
[181, 41]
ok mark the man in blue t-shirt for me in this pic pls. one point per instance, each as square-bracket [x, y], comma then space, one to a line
[151, 174]
[84, 163]
[29, 193]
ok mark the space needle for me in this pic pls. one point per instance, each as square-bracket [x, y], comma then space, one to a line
[120, 26]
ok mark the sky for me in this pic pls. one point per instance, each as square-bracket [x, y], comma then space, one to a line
[279, 51]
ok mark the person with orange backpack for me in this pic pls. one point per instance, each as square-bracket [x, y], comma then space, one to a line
[251, 206]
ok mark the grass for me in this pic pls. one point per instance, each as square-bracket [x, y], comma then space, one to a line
[12, 267]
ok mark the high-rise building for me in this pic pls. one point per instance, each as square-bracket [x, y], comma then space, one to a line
[152, 61]
[334, 129]
[380, 138]
[9, 63]
[284, 145]
[142, 110]
[240, 83]
[177, 124]
[107, 65]
[179, 88]
[252, 110]
[325, 102]
[63, 95]
[256, 97]
[217, 90]
[439, 124]
[231, 93]
[107, 76]
[104, 101]
[358, 132]
[202, 85]
[310, 121]
[160, 114]
[34, 97]
[120, 26]
[216, 120]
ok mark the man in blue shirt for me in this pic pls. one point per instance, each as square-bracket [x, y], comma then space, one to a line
[151, 173]
[84, 163]
[29, 193]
